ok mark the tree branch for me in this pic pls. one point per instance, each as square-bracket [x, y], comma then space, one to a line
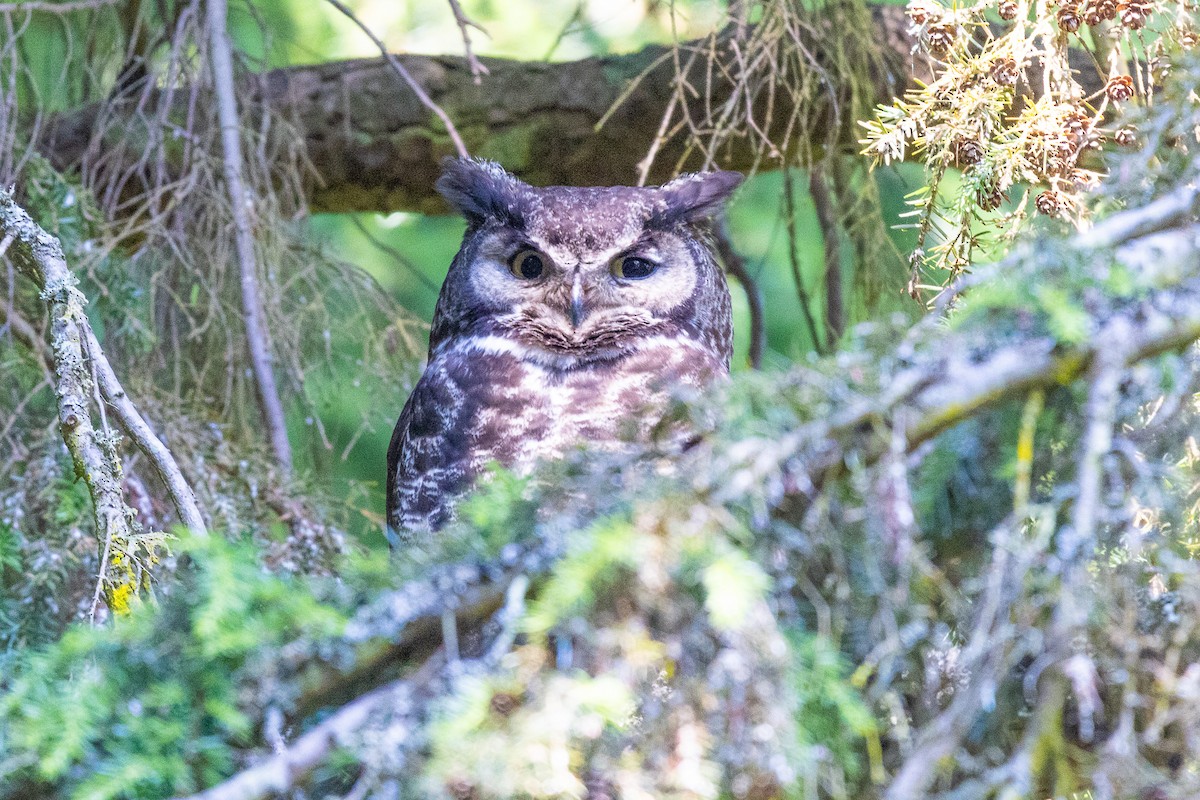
[142, 435]
[240, 202]
[74, 352]
[827, 218]
[411, 82]
[287, 768]
[374, 146]
[735, 265]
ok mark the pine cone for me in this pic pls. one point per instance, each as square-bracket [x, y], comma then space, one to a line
[1069, 18]
[1107, 9]
[941, 37]
[969, 151]
[922, 11]
[1049, 203]
[1120, 88]
[1075, 125]
[1188, 38]
[462, 789]
[990, 198]
[1126, 137]
[505, 703]
[1134, 13]
[1008, 9]
[1004, 71]
[1084, 181]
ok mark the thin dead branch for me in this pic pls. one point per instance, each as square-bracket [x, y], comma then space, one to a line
[140, 432]
[789, 210]
[735, 265]
[407, 77]
[55, 8]
[827, 218]
[396, 256]
[240, 204]
[478, 68]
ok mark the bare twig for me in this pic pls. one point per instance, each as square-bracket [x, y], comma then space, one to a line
[399, 257]
[478, 68]
[22, 329]
[789, 205]
[252, 306]
[140, 432]
[407, 77]
[735, 265]
[827, 218]
[65, 7]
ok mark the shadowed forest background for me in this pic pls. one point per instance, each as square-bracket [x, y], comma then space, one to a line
[935, 538]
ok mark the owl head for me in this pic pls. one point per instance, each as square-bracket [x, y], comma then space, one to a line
[568, 275]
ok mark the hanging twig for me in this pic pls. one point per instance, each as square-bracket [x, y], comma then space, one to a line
[478, 68]
[735, 265]
[405, 76]
[802, 294]
[12, 323]
[252, 306]
[399, 257]
[827, 218]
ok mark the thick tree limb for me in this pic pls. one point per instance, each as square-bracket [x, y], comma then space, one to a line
[374, 146]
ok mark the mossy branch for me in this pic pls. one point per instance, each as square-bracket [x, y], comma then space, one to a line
[374, 146]
[81, 369]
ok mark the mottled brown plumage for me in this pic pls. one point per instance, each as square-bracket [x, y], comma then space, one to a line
[568, 316]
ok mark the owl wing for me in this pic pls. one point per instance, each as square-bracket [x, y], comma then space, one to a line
[428, 457]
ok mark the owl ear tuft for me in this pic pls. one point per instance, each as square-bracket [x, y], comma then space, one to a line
[698, 196]
[482, 190]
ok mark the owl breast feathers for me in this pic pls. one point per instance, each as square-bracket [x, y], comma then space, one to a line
[568, 317]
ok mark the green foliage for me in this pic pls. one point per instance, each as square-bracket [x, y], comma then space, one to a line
[610, 547]
[155, 704]
[833, 719]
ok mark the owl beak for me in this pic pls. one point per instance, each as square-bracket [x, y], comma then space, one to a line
[577, 301]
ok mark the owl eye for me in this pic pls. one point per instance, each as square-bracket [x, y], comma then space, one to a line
[527, 264]
[632, 267]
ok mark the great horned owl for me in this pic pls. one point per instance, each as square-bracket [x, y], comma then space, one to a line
[567, 317]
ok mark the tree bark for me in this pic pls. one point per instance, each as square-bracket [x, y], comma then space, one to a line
[374, 146]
